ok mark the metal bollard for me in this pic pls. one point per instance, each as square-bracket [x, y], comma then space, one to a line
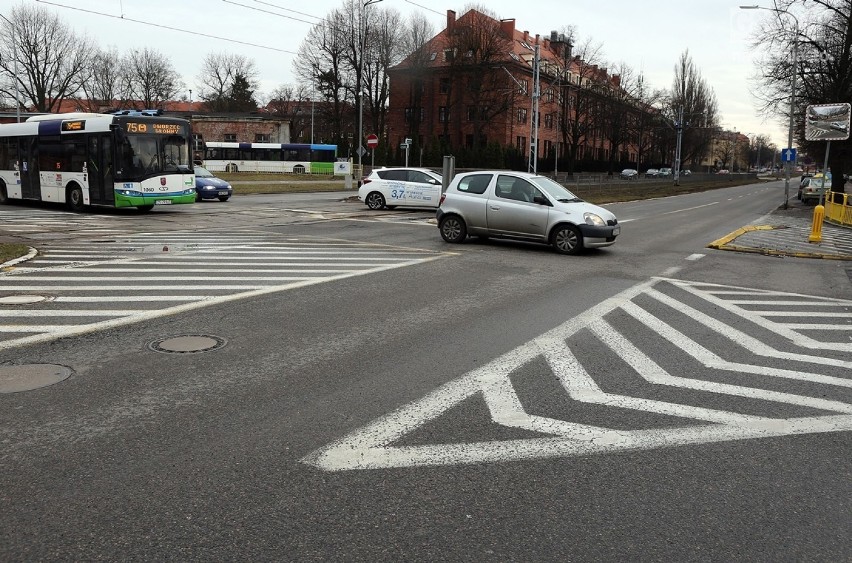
[816, 228]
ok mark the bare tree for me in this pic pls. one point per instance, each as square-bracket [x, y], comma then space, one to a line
[49, 57]
[152, 79]
[219, 71]
[580, 102]
[692, 107]
[321, 63]
[295, 102]
[106, 82]
[823, 38]
[475, 46]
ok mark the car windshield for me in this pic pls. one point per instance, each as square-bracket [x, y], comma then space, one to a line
[202, 172]
[555, 190]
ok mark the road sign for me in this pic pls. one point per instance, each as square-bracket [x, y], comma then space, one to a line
[372, 141]
[342, 168]
[788, 155]
[828, 122]
[361, 151]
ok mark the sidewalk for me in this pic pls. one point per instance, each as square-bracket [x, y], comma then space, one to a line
[785, 232]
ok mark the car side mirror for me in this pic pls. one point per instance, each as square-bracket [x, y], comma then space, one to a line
[541, 200]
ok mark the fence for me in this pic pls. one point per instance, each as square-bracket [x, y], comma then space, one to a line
[838, 209]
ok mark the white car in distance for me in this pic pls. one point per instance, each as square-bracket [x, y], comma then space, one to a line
[391, 187]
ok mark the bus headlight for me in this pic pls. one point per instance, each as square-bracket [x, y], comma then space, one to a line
[189, 191]
[130, 193]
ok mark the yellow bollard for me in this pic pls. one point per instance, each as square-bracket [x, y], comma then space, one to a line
[816, 228]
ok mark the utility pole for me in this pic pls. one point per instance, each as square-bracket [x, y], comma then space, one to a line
[533, 164]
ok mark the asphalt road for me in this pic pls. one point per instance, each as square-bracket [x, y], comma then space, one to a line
[656, 400]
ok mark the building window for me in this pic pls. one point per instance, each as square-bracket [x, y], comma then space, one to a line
[230, 137]
[521, 143]
[548, 120]
[548, 95]
[523, 87]
[444, 86]
[449, 55]
[548, 146]
[468, 141]
[443, 114]
[522, 115]
[261, 137]
[409, 112]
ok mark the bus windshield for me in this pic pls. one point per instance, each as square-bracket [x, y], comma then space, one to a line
[148, 155]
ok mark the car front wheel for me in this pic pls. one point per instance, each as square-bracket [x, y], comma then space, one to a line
[375, 200]
[453, 229]
[566, 239]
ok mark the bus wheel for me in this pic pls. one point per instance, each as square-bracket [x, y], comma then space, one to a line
[4, 197]
[74, 198]
[144, 208]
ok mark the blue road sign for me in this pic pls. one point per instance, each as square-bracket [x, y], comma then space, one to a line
[788, 155]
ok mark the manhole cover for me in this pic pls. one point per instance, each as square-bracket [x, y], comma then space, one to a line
[14, 379]
[187, 344]
[23, 299]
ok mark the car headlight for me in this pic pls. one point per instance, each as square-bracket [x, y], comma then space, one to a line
[207, 188]
[594, 219]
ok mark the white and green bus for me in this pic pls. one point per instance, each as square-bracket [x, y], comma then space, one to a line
[126, 159]
[296, 158]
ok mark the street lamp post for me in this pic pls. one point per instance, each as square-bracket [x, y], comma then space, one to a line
[788, 165]
[360, 88]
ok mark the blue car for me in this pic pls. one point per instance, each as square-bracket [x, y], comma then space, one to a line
[208, 186]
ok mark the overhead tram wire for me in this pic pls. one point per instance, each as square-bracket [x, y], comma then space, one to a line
[268, 12]
[161, 26]
[286, 9]
[424, 7]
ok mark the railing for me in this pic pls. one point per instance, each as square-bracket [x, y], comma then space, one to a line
[838, 209]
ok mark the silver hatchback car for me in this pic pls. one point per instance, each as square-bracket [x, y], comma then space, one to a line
[525, 206]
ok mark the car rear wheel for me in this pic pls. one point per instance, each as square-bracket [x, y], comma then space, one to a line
[566, 239]
[453, 229]
[375, 200]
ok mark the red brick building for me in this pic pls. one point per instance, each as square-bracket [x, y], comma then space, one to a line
[472, 86]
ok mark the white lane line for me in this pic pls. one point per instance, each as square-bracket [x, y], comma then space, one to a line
[694, 257]
[157, 278]
[166, 287]
[794, 326]
[282, 268]
[70, 313]
[690, 208]
[129, 298]
[821, 314]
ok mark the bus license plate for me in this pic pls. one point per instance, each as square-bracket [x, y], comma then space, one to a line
[163, 202]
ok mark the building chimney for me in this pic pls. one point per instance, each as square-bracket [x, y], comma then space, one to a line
[508, 27]
[616, 80]
[554, 36]
[451, 20]
[526, 35]
[536, 38]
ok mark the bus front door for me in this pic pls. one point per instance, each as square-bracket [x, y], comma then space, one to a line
[30, 182]
[99, 167]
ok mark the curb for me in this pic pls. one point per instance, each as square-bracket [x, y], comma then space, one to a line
[30, 255]
[724, 243]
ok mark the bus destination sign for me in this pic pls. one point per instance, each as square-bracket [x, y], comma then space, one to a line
[154, 128]
[78, 125]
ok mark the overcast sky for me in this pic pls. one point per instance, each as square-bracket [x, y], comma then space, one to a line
[648, 36]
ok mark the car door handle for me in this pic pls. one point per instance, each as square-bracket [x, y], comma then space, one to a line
[495, 207]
